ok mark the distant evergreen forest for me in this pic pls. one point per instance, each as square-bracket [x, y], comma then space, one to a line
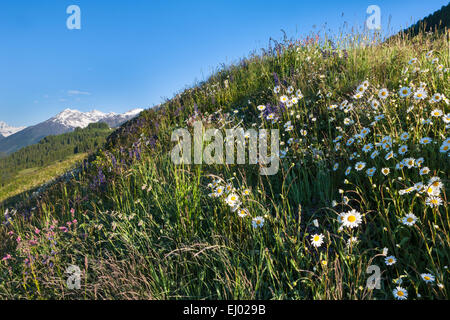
[437, 21]
[53, 148]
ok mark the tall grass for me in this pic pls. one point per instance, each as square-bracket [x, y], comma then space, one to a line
[140, 227]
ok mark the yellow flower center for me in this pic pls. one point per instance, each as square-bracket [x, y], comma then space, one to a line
[400, 293]
[351, 218]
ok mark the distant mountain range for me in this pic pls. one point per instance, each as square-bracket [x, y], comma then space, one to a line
[13, 139]
[6, 130]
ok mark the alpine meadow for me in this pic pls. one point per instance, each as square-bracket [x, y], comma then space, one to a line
[356, 211]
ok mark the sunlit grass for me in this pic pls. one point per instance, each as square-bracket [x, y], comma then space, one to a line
[30, 178]
[139, 226]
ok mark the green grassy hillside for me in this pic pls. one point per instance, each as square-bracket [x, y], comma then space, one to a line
[52, 156]
[437, 21]
[362, 182]
[26, 180]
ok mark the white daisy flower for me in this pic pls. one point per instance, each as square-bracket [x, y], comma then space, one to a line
[365, 84]
[446, 118]
[400, 293]
[375, 104]
[425, 140]
[258, 222]
[243, 212]
[358, 95]
[371, 171]
[420, 95]
[436, 97]
[419, 187]
[360, 89]
[419, 162]
[390, 260]
[348, 170]
[219, 191]
[351, 219]
[232, 199]
[409, 162]
[367, 147]
[409, 220]
[404, 136]
[229, 187]
[383, 93]
[360, 165]
[261, 107]
[352, 241]
[434, 186]
[289, 128]
[317, 240]
[444, 148]
[403, 149]
[405, 92]
[433, 201]
[427, 277]
[436, 113]
[364, 132]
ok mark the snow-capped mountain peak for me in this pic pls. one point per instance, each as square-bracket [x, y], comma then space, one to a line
[63, 122]
[73, 118]
[6, 130]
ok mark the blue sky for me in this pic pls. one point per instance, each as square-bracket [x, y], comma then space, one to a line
[135, 53]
